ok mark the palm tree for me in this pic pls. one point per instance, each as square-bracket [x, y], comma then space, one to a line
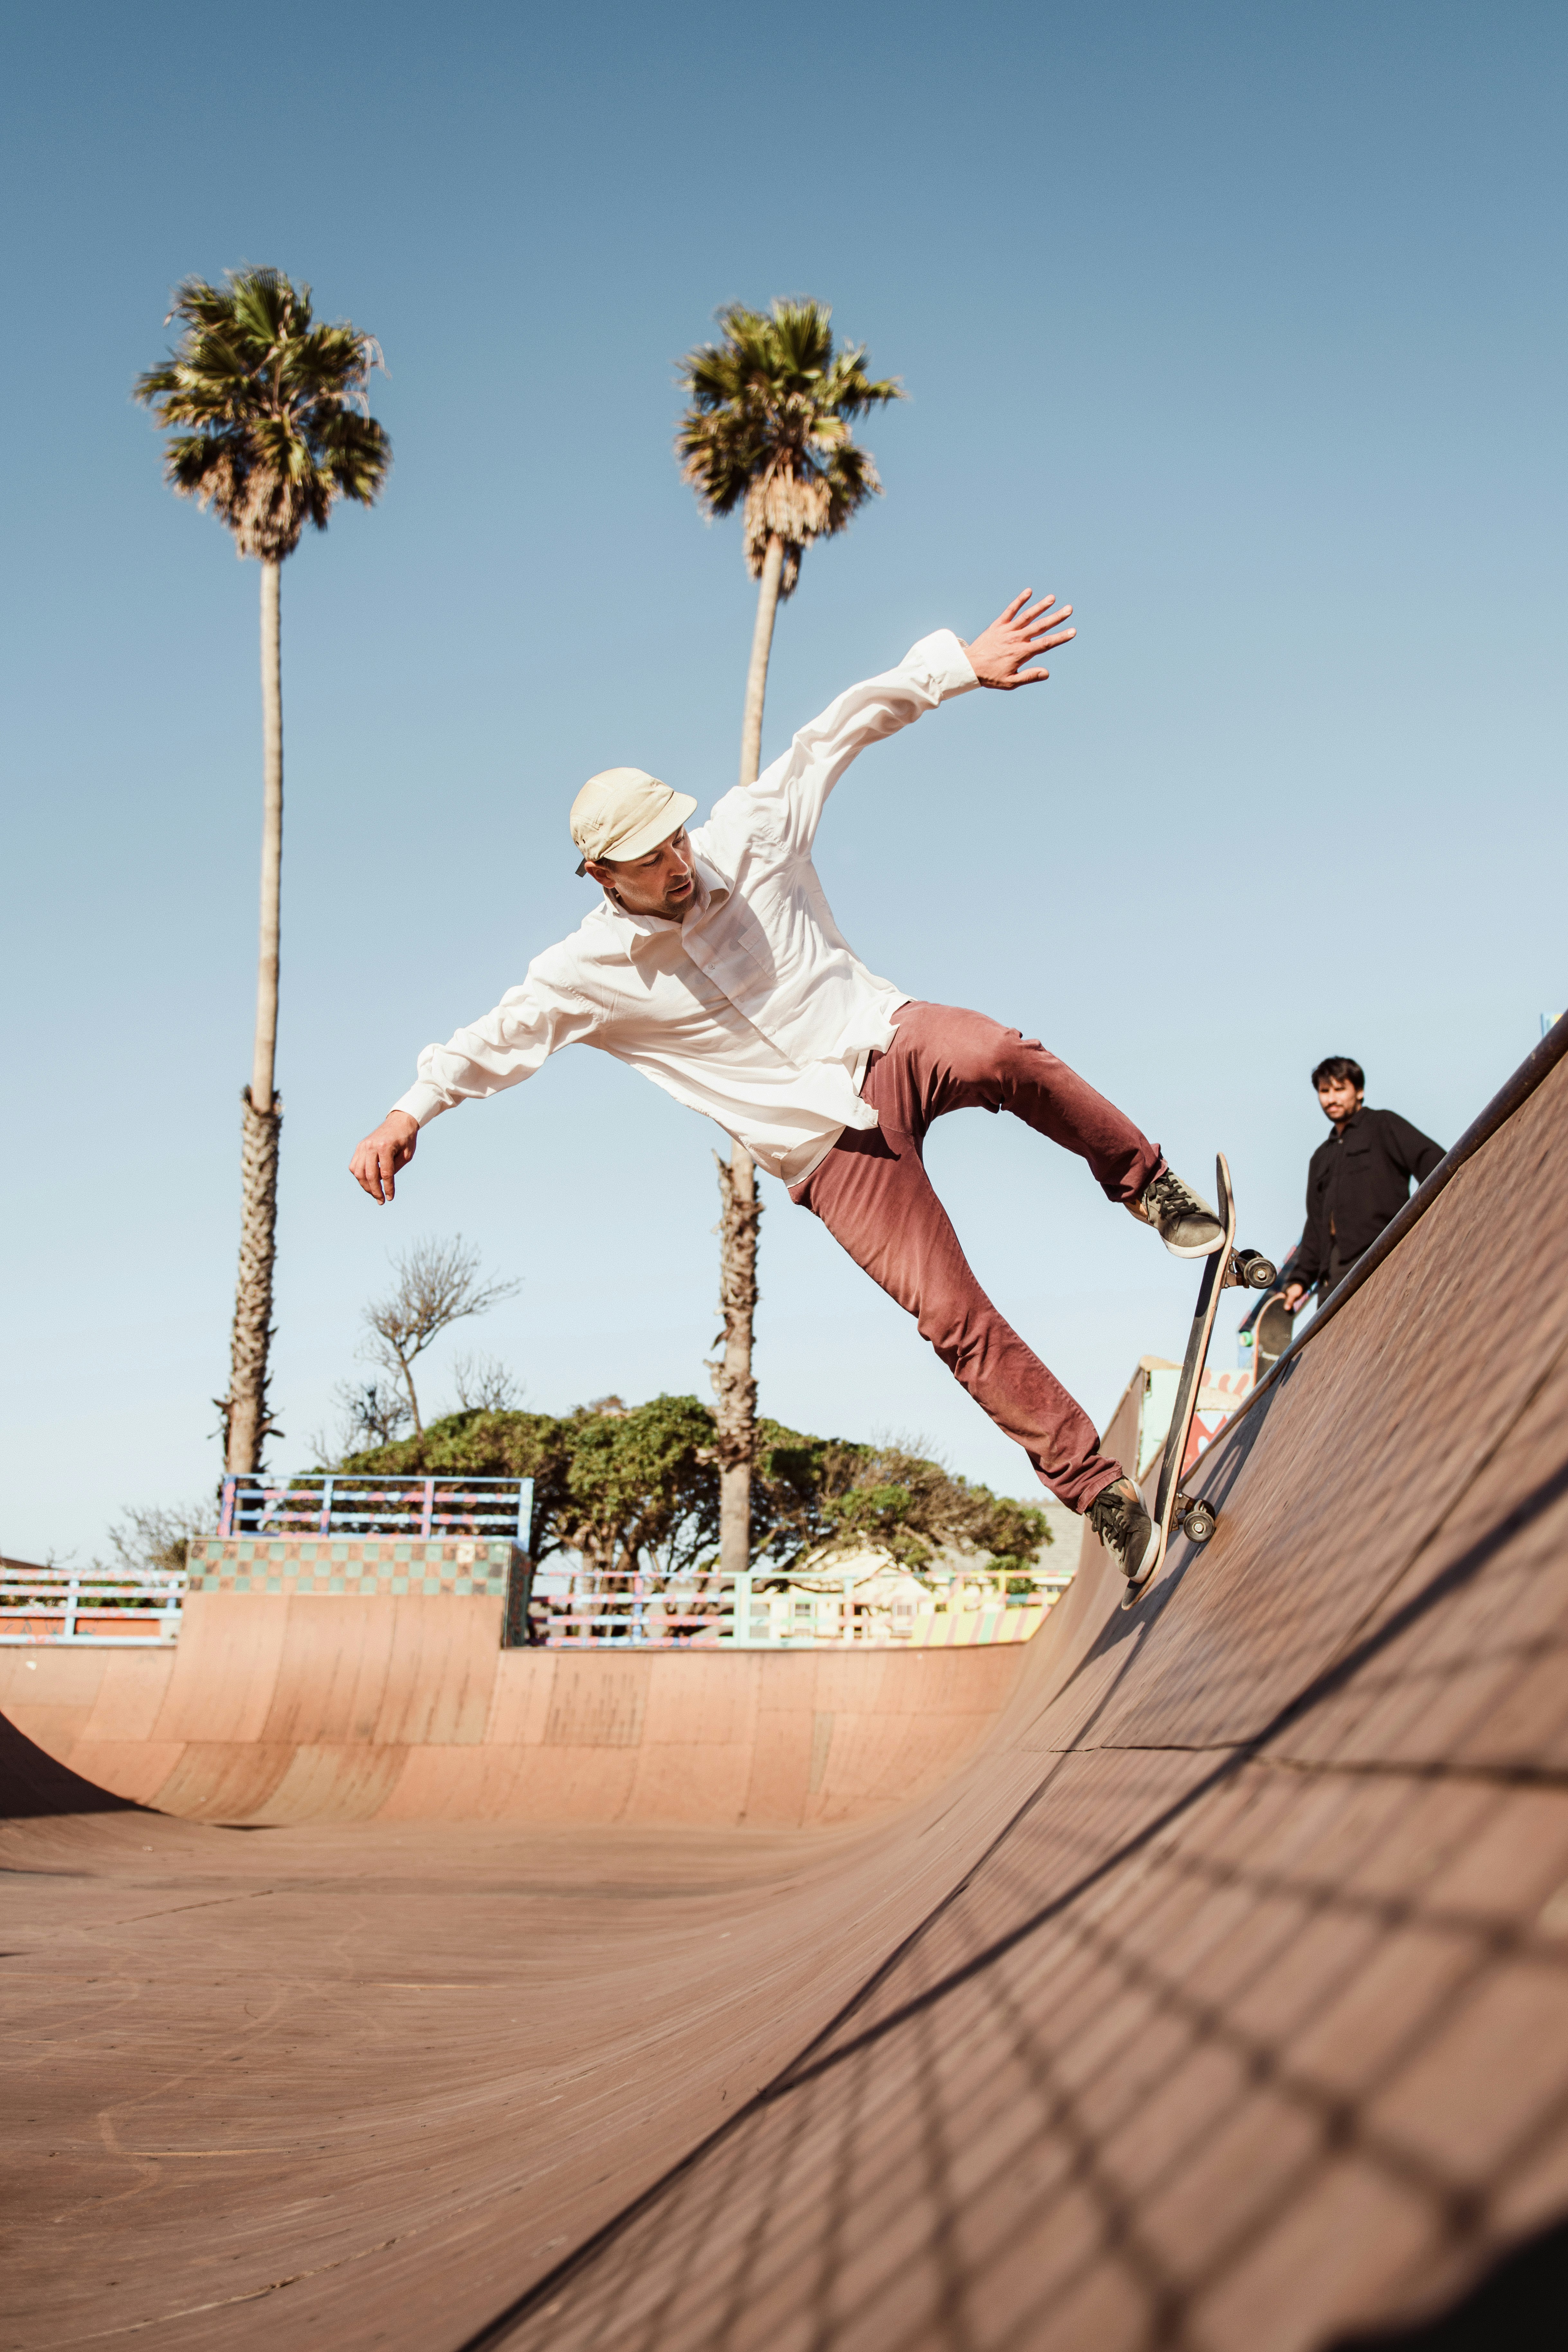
[273, 426]
[768, 430]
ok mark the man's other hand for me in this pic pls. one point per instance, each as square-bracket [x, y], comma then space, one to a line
[1293, 1293]
[381, 1155]
[998, 654]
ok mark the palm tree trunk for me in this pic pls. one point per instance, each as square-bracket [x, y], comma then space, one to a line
[246, 1408]
[733, 1385]
[762, 646]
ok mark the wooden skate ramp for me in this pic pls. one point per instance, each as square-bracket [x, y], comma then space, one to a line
[276, 1708]
[1216, 1997]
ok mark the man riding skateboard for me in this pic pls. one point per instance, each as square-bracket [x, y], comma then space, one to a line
[713, 964]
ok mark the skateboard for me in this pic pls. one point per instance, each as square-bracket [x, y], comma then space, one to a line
[1270, 1326]
[1223, 1270]
[1273, 1332]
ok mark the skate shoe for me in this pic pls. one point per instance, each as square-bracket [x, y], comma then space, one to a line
[1185, 1222]
[1119, 1519]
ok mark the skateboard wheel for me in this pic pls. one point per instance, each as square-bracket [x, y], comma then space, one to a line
[1258, 1272]
[1198, 1523]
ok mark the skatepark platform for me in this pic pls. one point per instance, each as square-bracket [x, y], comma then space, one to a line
[1196, 1976]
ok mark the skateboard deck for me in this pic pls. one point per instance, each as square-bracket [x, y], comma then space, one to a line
[1269, 1330]
[1273, 1331]
[1223, 1268]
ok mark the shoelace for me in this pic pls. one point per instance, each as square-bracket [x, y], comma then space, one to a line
[1115, 1518]
[1168, 1197]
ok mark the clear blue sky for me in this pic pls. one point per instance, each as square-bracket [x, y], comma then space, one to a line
[1242, 327]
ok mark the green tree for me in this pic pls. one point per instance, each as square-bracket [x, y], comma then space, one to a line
[629, 1488]
[637, 1488]
[768, 430]
[824, 1497]
[269, 426]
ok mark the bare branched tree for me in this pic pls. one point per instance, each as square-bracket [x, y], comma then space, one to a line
[151, 1540]
[485, 1385]
[375, 1413]
[370, 1413]
[438, 1283]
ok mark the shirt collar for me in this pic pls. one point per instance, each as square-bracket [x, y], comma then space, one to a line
[712, 888]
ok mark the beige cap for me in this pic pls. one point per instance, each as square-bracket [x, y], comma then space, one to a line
[625, 812]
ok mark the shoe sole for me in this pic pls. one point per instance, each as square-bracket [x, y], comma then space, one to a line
[1136, 1209]
[1139, 1584]
[1207, 1249]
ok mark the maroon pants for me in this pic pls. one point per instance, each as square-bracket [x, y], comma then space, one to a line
[874, 1196]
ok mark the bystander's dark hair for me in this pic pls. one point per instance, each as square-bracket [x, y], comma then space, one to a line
[1340, 1065]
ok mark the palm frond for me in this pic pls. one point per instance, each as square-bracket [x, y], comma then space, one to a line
[768, 428]
[275, 410]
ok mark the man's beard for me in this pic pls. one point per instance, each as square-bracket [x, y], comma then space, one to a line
[670, 909]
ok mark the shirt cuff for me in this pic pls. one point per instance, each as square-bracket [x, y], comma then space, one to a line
[944, 657]
[423, 1103]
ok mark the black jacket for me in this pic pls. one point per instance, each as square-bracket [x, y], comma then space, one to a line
[1357, 1181]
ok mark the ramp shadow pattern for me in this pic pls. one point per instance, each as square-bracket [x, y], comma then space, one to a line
[1218, 2002]
[1241, 2031]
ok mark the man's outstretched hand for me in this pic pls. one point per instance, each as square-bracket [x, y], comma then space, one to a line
[998, 652]
[381, 1155]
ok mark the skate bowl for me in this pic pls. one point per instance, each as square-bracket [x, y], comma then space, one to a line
[278, 1708]
[1191, 1977]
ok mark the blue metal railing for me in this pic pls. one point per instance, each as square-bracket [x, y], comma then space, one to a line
[49, 1605]
[338, 1502]
[570, 1607]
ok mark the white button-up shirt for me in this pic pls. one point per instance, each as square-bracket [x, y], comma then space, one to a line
[755, 1010]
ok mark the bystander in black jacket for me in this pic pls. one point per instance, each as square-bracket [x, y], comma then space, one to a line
[1357, 1182]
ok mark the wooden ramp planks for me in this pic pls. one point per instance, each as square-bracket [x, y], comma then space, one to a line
[1192, 1977]
[276, 1708]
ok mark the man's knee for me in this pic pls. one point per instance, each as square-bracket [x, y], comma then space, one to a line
[975, 1051]
[960, 1332]
[1026, 1073]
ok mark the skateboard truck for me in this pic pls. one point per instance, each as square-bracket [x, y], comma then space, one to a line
[1196, 1518]
[1249, 1270]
